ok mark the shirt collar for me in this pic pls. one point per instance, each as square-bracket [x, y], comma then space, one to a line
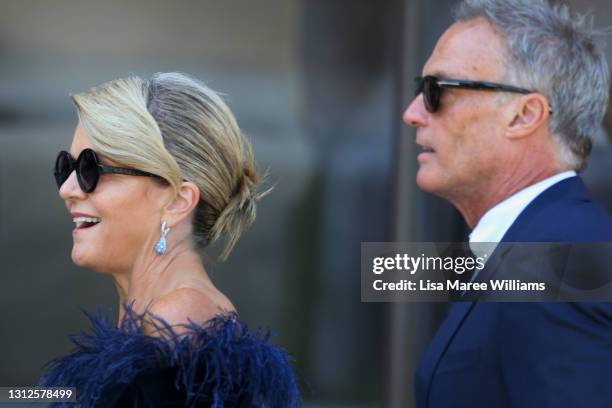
[495, 222]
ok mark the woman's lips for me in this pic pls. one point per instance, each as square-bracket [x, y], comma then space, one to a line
[82, 221]
[85, 225]
[79, 227]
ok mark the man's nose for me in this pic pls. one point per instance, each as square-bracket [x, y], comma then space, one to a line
[70, 188]
[415, 114]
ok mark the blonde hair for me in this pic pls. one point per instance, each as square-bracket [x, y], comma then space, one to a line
[176, 127]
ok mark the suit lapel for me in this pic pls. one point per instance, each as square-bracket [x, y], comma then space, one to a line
[493, 264]
[457, 313]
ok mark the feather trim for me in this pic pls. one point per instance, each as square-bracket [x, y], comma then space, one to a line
[220, 362]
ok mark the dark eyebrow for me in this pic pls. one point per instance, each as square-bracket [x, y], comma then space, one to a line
[443, 75]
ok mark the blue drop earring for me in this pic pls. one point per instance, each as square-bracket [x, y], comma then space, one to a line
[160, 247]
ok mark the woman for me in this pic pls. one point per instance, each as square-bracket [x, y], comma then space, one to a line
[157, 170]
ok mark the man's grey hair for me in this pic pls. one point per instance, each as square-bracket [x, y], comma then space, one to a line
[553, 51]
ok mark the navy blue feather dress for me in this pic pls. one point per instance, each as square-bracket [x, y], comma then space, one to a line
[218, 364]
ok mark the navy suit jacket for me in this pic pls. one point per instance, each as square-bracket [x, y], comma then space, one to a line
[527, 354]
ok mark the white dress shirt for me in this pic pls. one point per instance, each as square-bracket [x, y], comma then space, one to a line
[495, 222]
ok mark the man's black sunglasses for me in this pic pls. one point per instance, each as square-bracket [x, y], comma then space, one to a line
[88, 169]
[431, 87]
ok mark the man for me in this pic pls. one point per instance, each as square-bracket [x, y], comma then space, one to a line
[504, 149]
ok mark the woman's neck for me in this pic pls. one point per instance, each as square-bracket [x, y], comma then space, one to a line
[154, 276]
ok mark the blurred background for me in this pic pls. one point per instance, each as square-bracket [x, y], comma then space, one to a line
[319, 87]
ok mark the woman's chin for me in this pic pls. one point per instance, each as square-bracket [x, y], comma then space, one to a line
[82, 258]
[90, 259]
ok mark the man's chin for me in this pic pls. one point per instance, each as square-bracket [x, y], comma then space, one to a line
[426, 182]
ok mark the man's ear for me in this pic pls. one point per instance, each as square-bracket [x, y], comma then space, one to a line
[187, 198]
[530, 113]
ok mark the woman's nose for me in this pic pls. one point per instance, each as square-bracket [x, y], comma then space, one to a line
[70, 188]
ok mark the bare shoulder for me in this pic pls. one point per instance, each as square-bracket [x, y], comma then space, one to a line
[184, 304]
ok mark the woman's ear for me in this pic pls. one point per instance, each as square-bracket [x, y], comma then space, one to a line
[532, 111]
[186, 200]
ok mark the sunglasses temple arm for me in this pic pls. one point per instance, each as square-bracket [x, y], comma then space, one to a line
[127, 172]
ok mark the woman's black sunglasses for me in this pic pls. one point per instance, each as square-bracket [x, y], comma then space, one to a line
[431, 87]
[88, 169]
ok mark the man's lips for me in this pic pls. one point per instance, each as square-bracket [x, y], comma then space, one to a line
[425, 147]
[425, 153]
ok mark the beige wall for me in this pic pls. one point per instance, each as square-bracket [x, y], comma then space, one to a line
[258, 33]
